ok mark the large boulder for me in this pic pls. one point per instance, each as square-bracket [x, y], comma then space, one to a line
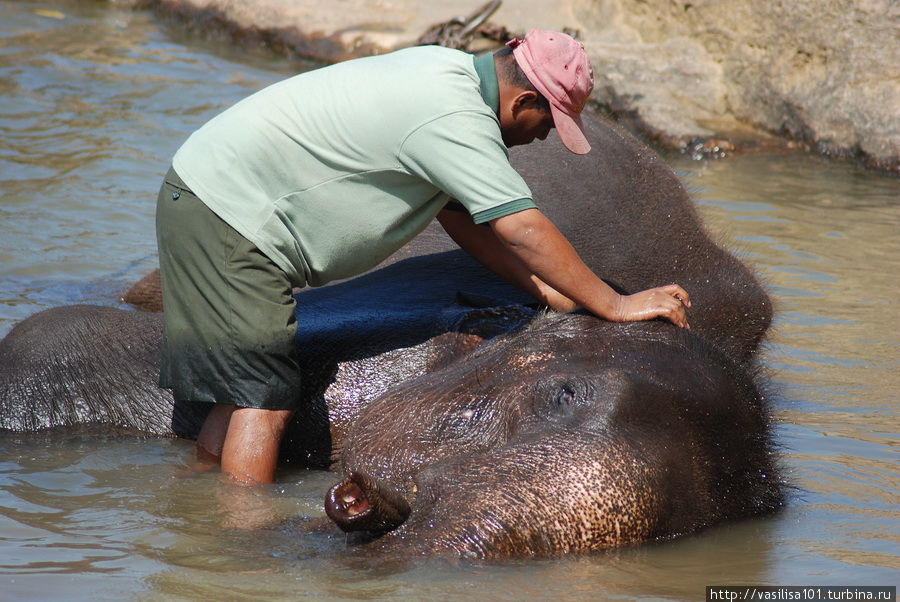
[686, 72]
[823, 72]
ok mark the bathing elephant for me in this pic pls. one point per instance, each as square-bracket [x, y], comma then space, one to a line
[569, 434]
[512, 430]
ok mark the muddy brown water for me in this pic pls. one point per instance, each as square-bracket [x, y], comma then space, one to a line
[95, 99]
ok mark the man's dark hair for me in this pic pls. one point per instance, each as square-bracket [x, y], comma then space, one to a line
[508, 71]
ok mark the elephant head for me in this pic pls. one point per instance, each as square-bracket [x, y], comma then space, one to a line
[570, 434]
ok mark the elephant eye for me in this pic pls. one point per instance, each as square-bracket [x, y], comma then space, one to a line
[565, 396]
[563, 399]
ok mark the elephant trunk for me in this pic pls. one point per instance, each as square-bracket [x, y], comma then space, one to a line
[363, 503]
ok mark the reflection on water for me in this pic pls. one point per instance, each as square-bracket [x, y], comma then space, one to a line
[827, 238]
[94, 105]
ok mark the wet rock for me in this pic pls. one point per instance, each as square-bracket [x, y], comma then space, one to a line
[822, 74]
[332, 31]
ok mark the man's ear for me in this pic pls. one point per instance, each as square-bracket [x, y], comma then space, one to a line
[523, 100]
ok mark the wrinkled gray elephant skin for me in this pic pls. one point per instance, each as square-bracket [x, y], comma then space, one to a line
[570, 435]
[512, 431]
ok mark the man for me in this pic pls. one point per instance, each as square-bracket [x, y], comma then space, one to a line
[325, 174]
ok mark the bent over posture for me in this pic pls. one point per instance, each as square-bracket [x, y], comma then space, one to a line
[322, 176]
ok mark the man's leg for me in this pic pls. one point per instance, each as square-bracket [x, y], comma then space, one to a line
[208, 450]
[229, 335]
[250, 450]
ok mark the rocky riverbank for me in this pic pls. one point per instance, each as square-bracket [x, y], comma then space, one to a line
[697, 75]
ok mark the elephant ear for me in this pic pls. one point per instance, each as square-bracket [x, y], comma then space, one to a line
[470, 321]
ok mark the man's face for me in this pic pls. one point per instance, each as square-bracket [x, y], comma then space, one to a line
[523, 121]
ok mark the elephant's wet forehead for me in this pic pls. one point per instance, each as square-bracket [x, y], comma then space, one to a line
[532, 356]
[529, 382]
[499, 378]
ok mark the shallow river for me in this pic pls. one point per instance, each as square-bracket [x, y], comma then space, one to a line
[96, 99]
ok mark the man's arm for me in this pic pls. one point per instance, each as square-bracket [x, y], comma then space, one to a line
[480, 242]
[527, 249]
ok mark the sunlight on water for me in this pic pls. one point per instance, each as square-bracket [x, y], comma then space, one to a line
[96, 102]
[829, 254]
[95, 105]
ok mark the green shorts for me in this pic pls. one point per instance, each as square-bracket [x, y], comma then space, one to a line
[229, 311]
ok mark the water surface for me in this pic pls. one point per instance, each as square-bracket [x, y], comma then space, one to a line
[94, 105]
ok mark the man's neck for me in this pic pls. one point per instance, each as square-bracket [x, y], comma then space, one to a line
[490, 88]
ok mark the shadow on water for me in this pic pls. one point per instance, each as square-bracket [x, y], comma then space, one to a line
[96, 102]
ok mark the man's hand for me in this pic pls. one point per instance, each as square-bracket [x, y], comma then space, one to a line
[528, 250]
[667, 302]
[543, 249]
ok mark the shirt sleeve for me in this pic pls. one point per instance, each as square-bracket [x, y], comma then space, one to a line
[463, 154]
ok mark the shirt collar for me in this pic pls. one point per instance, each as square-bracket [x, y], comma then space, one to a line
[487, 73]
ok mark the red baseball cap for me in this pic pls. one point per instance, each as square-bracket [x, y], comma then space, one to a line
[557, 66]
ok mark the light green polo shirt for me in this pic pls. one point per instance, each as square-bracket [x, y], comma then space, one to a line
[332, 170]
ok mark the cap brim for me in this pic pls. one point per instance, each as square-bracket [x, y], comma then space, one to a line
[571, 131]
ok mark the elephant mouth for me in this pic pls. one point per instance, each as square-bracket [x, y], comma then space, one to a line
[363, 503]
[349, 500]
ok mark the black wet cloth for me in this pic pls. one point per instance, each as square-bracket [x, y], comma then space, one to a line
[229, 311]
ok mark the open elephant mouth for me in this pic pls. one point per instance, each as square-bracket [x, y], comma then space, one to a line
[363, 503]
